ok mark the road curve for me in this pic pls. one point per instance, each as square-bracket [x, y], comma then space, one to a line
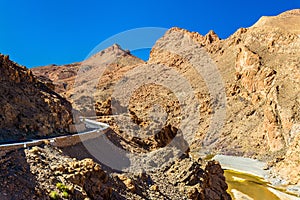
[92, 125]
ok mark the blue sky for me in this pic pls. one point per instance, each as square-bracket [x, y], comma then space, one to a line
[36, 33]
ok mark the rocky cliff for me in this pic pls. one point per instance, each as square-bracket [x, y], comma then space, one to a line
[29, 109]
[259, 68]
[260, 71]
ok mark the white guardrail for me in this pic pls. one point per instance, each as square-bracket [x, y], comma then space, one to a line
[93, 124]
[99, 128]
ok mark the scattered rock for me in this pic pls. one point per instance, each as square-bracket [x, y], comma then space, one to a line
[154, 187]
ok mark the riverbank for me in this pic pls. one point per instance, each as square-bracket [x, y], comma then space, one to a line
[243, 165]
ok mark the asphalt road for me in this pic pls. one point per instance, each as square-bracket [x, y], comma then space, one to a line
[92, 125]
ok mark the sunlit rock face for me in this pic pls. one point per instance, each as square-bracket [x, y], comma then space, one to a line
[28, 108]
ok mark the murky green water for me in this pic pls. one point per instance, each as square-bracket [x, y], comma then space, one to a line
[244, 186]
[252, 186]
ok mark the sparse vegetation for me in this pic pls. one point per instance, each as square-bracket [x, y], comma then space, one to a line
[62, 187]
[65, 194]
[54, 195]
[64, 190]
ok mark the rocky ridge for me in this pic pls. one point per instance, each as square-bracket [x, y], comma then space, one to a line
[29, 109]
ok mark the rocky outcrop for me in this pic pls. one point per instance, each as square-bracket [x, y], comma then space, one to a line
[258, 68]
[258, 79]
[267, 59]
[197, 182]
[86, 174]
[18, 182]
[45, 173]
[288, 166]
[58, 78]
[29, 109]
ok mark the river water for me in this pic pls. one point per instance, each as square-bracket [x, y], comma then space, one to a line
[247, 187]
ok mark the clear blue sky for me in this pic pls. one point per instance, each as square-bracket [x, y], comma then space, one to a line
[38, 33]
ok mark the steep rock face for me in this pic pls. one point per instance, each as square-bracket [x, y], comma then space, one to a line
[259, 67]
[260, 71]
[267, 76]
[258, 79]
[29, 109]
[288, 167]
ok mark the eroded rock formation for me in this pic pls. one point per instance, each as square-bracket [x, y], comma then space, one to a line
[29, 109]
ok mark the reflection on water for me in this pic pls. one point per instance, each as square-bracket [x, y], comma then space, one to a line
[245, 186]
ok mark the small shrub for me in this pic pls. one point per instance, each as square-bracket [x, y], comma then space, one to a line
[54, 195]
[65, 194]
[61, 187]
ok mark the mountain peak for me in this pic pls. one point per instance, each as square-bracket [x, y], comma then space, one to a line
[211, 37]
[194, 35]
[115, 47]
[288, 21]
[113, 50]
[295, 12]
[176, 34]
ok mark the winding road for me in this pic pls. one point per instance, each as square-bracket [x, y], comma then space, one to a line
[92, 125]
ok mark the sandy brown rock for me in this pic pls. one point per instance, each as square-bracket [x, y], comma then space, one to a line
[258, 67]
[45, 170]
[288, 166]
[38, 172]
[29, 109]
[198, 182]
[261, 77]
